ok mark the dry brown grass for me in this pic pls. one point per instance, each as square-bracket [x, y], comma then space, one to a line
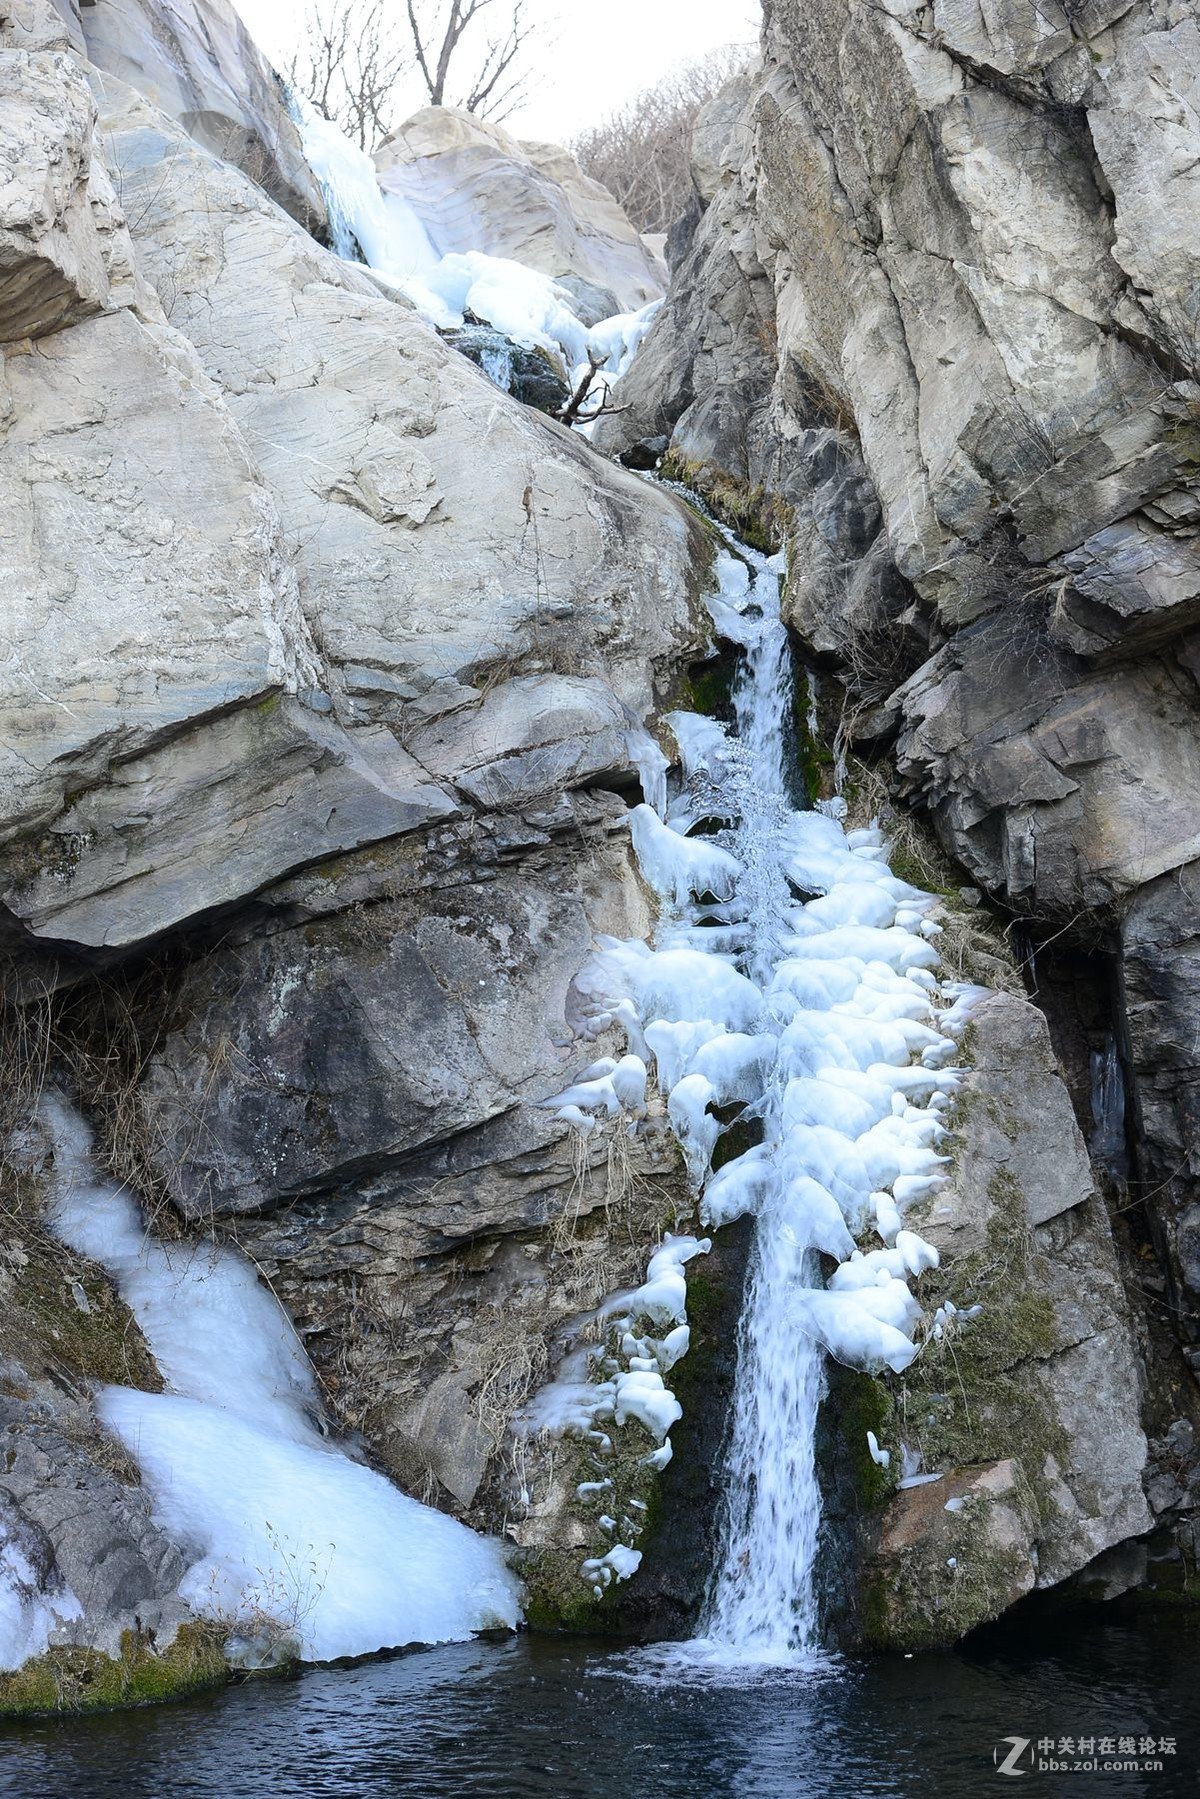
[511, 1348]
[973, 945]
[60, 1316]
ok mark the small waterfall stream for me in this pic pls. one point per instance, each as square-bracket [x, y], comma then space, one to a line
[761, 1595]
[791, 978]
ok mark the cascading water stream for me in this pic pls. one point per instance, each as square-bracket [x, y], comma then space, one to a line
[761, 1593]
[790, 977]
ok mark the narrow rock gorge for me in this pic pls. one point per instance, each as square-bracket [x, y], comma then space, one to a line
[615, 1008]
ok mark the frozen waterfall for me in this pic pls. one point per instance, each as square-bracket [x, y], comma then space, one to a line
[793, 975]
[523, 304]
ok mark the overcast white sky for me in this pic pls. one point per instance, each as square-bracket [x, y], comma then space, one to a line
[587, 61]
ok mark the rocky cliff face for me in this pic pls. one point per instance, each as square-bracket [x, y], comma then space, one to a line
[328, 665]
[331, 667]
[935, 314]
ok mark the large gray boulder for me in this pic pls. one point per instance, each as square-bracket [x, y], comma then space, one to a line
[474, 187]
[315, 498]
[142, 558]
[442, 534]
[209, 815]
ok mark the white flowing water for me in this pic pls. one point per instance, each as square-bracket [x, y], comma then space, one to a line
[791, 977]
[761, 1596]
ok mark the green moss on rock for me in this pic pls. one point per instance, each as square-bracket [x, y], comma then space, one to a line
[557, 1596]
[864, 1404]
[710, 685]
[83, 1680]
[975, 1396]
[922, 1597]
[681, 1504]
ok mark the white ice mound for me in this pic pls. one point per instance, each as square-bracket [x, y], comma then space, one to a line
[295, 1534]
[680, 866]
[289, 1536]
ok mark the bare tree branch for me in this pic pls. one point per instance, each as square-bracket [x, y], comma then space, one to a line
[573, 412]
[437, 29]
[350, 65]
[356, 52]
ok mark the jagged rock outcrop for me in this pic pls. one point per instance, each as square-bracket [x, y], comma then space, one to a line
[1028, 1414]
[358, 1085]
[474, 187]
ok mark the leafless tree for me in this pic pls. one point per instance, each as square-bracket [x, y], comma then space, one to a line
[356, 54]
[438, 29]
[350, 64]
[642, 154]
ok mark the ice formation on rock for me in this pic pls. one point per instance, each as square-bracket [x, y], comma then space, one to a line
[29, 1614]
[523, 304]
[794, 976]
[298, 1546]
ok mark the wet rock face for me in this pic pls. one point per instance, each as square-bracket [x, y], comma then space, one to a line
[531, 376]
[1029, 1413]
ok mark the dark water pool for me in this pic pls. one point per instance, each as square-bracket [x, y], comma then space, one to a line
[537, 1717]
